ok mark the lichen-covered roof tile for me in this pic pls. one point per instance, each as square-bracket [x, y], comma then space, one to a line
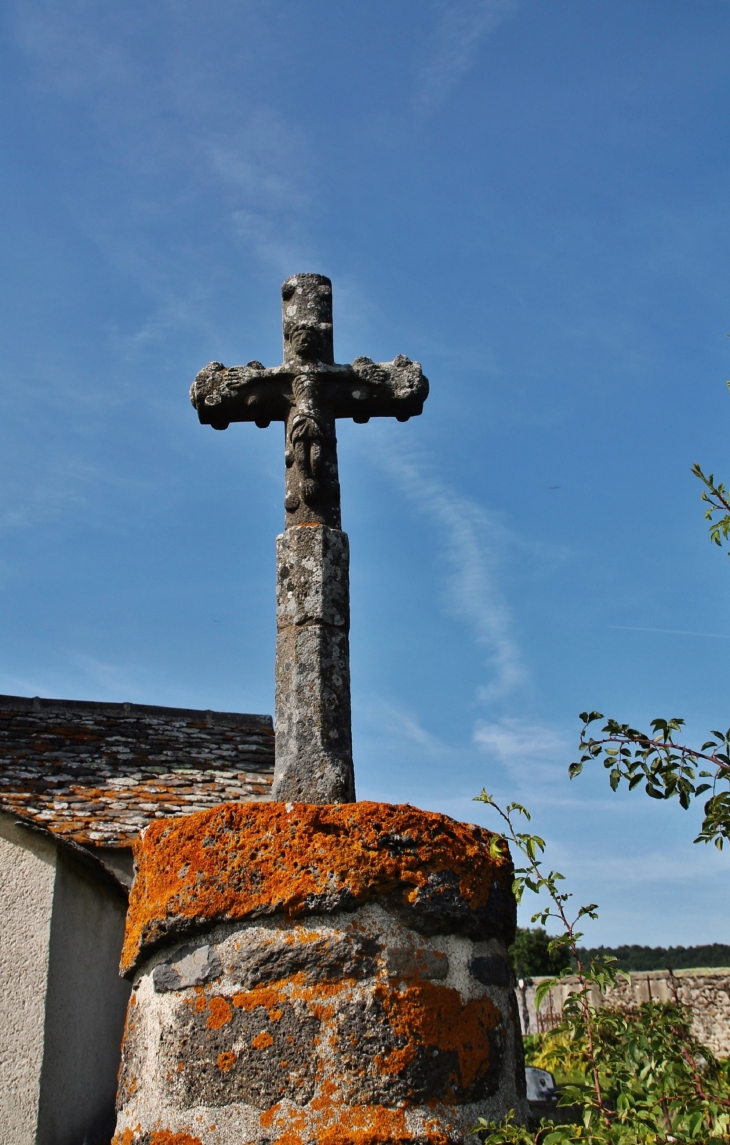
[99, 773]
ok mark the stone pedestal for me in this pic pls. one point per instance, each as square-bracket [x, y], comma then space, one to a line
[318, 975]
[313, 721]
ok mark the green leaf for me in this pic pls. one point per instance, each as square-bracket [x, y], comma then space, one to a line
[590, 717]
[542, 989]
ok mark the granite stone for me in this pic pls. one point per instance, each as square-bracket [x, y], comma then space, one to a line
[308, 392]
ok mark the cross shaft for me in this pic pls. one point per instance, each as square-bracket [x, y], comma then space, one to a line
[308, 392]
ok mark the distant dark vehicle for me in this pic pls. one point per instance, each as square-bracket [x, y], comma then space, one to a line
[542, 1093]
[542, 1100]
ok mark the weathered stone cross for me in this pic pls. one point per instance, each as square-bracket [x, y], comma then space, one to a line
[308, 392]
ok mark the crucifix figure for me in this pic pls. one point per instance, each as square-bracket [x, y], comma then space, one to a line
[308, 392]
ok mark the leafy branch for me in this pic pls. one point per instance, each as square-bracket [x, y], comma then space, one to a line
[600, 973]
[668, 769]
[718, 499]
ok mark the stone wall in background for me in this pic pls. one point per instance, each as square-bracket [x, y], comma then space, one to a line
[706, 992]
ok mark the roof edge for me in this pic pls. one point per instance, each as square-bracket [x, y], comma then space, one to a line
[37, 703]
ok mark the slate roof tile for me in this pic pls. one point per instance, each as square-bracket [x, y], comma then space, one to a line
[98, 773]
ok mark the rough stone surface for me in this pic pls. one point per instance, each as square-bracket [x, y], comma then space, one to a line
[416, 962]
[492, 971]
[192, 967]
[308, 392]
[327, 957]
[313, 715]
[312, 577]
[98, 773]
[348, 1009]
[243, 861]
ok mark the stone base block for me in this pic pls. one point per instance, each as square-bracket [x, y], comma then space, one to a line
[318, 975]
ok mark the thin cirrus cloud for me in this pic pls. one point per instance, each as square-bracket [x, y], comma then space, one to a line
[533, 751]
[454, 44]
[655, 866]
[388, 721]
[174, 122]
[472, 542]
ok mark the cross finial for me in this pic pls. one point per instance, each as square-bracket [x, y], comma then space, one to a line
[306, 301]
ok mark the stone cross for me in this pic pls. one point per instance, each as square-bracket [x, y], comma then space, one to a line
[308, 392]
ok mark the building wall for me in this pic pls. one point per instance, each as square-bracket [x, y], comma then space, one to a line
[86, 1002]
[62, 1002]
[27, 878]
[705, 992]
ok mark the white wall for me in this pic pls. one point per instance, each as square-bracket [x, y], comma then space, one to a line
[27, 878]
[86, 1002]
[62, 1002]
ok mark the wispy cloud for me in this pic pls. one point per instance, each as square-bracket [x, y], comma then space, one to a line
[472, 544]
[454, 44]
[111, 679]
[656, 866]
[399, 723]
[669, 631]
[167, 124]
[532, 750]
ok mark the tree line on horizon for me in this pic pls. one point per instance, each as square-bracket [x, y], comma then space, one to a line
[531, 957]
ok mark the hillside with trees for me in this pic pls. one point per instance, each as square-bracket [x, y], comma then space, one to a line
[532, 958]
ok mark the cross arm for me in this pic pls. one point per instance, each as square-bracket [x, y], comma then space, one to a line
[240, 393]
[379, 389]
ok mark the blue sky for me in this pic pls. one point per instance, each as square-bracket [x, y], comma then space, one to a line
[529, 198]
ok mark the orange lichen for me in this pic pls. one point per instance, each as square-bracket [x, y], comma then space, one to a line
[266, 1120]
[226, 1061]
[220, 1013]
[159, 1137]
[397, 1060]
[237, 861]
[333, 1124]
[126, 1138]
[262, 996]
[262, 1041]
[435, 1015]
[165, 1137]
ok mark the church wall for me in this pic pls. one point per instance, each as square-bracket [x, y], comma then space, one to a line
[27, 878]
[85, 1008]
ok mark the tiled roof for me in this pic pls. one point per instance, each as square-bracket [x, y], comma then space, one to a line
[99, 773]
